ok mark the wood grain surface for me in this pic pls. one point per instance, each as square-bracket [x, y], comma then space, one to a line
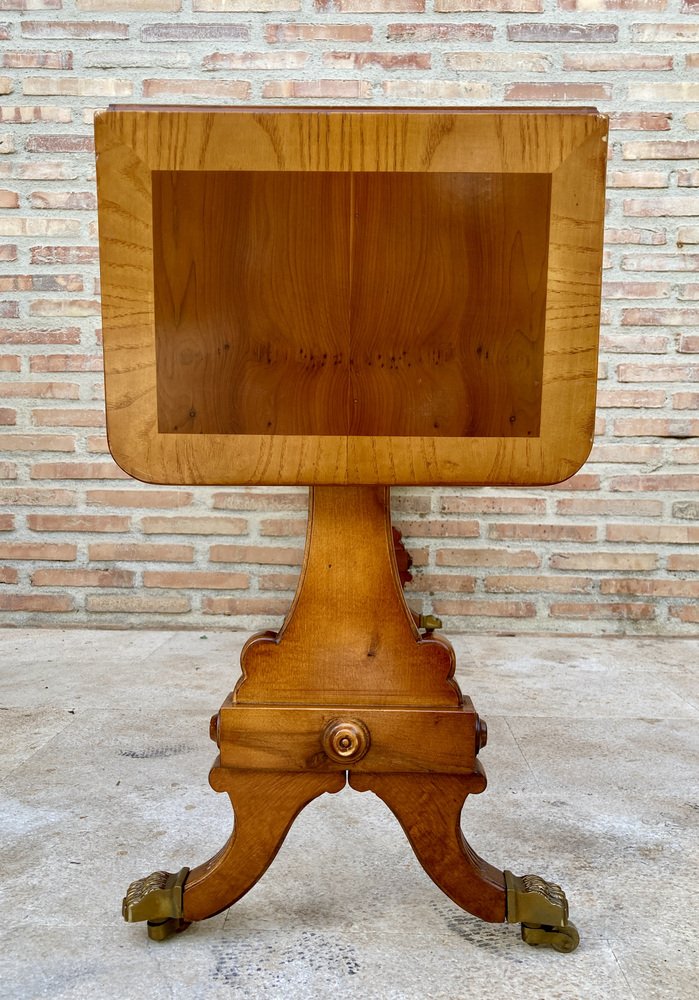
[334, 296]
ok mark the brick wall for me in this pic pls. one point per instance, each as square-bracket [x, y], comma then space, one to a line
[613, 550]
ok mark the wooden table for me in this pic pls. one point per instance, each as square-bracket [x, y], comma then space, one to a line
[350, 299]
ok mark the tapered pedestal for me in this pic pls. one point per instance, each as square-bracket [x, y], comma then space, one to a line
[350, 690]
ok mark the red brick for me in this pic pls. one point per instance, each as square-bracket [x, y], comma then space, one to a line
[683, 563]
[485, 609]
[60, 144]
[385, 60]
[596, 609]
[277, 581]
[318, 32]
[582, 481]
[255, 60]
[590, 5]
[40, 390]
[522, 584]
[244, 606]
[490, 6]
[665, 32]
[660, 427]
[500, 62]
[665, 534]
[650, 588]
[685, 401]
[267, 555]
[76, 470]
[66, 363]
[37, 59]
[643, 454]
[270, 499]
[439, 529]
[487, 557]
[139, 552]
[543, 532]
[176, 31]
[687, 90]
[41, 283]
[36, 602]
[149, 498]
[661, 262]
[37, 442]
[7, 522]
[453, 583]
[689, 292]
[197, 525]
[77, 522]
[192, 580]
[97, 444]
[50, 551]
[311, 89]
[638, 179]
[688, 178]
[638, 237]
[655, 482]
[67, 418]
[372, 6]
[64, 255]
[8, 416]
[9, 310]
[436, 90]
[661, 150]
[52, 28]
[139, 6]
[536, 31]
[609, 507]
[688, 613]
[424, 32]
[9, 199]
[658, 373]
[27, 115]
[230, 90]
[24, 496]
[8, 575]
[83, 578]
[637, 121]
[283, 527]
[637, 289]
[660, 317]
[686, 509]
[80, 201]
[631, 397]
[8, 470]
[689, 343]
[8, 251]
[140, 604]
[10, 363]
[600, 561]
[558, 92]
[492, 505]
[593, 62]
[657, 207]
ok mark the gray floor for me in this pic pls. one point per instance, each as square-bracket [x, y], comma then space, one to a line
[593, 768]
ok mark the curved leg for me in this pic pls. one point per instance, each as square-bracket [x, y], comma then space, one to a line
[428, 807]
[265, 804]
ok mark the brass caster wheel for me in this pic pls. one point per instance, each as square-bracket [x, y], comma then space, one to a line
[542, 909]
[159, 930]
[561, 939]
[157, 899]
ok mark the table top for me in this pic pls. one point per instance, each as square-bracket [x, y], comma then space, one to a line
[350, 295]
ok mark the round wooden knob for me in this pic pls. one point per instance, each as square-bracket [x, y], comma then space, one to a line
[346, 740]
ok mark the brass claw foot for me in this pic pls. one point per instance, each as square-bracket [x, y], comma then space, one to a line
[158, 898]
[542, 909]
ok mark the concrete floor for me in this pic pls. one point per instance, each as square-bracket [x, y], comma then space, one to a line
[593, 768]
